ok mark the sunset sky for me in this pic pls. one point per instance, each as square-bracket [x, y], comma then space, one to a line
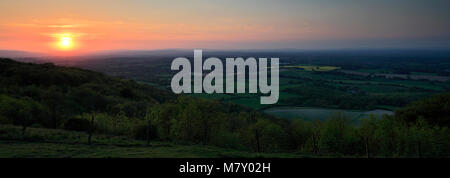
[58, 26]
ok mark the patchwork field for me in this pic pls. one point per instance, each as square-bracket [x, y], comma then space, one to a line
[317, 92]
[344, 82]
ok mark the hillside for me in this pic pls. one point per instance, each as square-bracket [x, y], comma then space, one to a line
[62, 92]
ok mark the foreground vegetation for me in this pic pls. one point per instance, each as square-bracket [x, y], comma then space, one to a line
[52, 143]
[119, 115]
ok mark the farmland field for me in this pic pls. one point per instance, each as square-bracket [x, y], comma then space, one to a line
[349, 83]
[347, 92]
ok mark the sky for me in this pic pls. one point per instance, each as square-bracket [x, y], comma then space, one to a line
[76, 26]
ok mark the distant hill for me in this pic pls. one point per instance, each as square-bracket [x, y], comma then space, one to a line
[140, 53]
[19, 54]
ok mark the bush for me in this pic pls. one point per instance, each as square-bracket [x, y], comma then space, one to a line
[140, 132]
[4, 120]
[77, 124]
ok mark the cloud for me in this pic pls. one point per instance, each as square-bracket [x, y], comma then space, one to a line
[63, 26]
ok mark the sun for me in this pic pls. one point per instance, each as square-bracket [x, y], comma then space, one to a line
[65, 42]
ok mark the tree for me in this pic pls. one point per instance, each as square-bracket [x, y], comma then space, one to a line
[92, 102]
[57, 105]
[316, 133]
[267, 136]
[300, 131]
[208, 116]
[434, 110]
[148, 117]
[420, 132]
[163, 115]
[338, 136]
[91, 128]
[23, 112]
[367, 130]
[385, 135]
[256, 130]
[185, 128]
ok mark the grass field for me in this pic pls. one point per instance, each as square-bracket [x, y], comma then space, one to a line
[50, 143]
[19, 149]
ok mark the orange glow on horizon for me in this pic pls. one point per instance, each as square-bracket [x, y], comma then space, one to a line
[73, 36]
[145, 25]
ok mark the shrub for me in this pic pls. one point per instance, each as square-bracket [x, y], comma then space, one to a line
[77, 124]
[140, 131]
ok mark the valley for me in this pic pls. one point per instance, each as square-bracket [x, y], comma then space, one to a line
[362, 81]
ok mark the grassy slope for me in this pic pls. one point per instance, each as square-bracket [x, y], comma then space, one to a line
[50, 143]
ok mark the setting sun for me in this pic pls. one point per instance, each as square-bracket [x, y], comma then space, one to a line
[65, 42]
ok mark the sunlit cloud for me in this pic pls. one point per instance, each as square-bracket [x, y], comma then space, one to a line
[63, 26]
